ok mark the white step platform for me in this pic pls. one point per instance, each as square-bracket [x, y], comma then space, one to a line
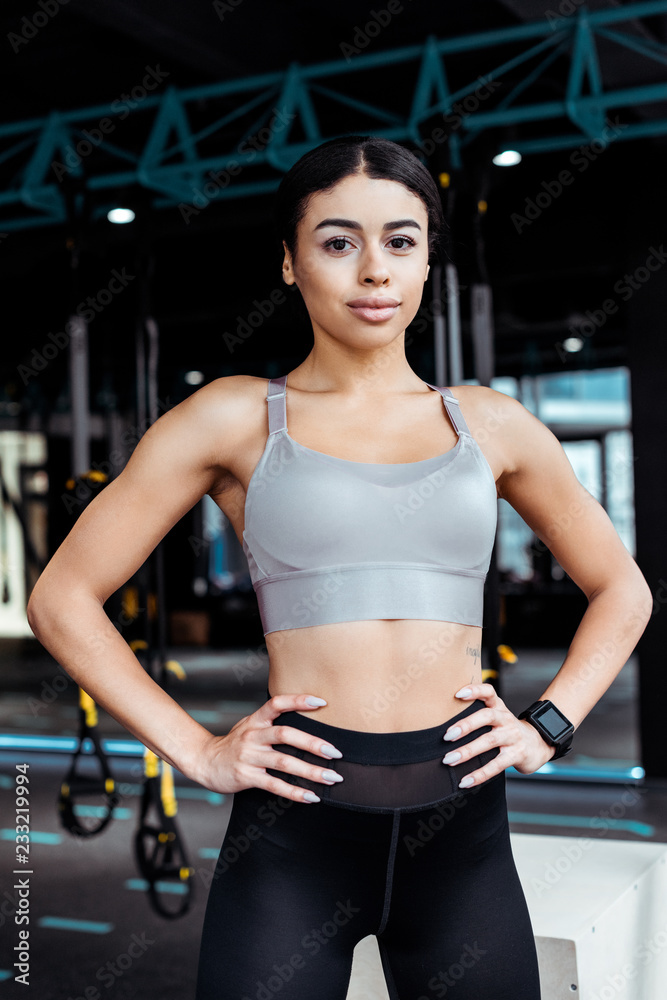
[599, 912]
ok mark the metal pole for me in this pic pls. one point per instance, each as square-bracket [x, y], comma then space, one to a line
[439, 347]
[78, 374]
[454, 325]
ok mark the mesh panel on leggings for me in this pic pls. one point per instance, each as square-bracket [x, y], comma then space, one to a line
[384, 772]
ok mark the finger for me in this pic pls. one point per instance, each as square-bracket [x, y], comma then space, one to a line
[471, 691]
[287, 703]
[482, 717]
[490, 770]
[265, 738]
[460, 754]
[281, 761]
[284, 789]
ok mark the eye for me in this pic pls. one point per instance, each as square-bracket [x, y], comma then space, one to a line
[337, 240]
[405, 239]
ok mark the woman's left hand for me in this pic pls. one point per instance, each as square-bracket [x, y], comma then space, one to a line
[520, 744]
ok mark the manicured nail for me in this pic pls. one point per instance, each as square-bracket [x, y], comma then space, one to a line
[453, 733]
[463, 693]
[311, 797]
[310, 700]
[451, 757]
[330, 751]
[466, 782]
[332, 776]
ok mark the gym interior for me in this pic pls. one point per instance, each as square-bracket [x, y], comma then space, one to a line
[140, 148]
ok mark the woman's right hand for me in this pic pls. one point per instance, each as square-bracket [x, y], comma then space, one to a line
[240, 759]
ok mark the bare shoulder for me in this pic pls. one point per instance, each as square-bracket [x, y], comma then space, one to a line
[222, 411]
[506, 430]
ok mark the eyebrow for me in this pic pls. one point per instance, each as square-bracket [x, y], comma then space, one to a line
[350, 224]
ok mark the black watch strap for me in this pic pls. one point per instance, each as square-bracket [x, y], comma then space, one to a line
[554, 728]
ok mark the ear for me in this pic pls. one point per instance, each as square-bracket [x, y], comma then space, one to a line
[288, 270]
[428, 268]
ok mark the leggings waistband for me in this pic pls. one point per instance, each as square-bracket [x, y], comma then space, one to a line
[409, 746]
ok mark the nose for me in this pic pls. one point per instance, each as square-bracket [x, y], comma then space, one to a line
[373, 267]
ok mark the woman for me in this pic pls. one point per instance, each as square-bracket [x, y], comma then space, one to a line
[369, 789]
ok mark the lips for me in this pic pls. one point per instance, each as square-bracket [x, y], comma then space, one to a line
[374, 308]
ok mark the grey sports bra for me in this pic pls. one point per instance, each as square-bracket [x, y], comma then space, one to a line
[329, 540]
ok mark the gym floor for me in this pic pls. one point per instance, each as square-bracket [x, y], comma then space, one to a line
[93, 933]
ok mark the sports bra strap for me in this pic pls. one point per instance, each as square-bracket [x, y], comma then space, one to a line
[453, 409]
[277, 391]
[277, 407]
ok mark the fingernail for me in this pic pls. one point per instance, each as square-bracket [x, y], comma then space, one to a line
[330, 751]
[311, 797]
[452, 734]
[310, 700]
[332, 776]
[466, 782]
[463, 693]
[451, 757]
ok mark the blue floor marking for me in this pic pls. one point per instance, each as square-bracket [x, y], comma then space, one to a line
[65, 924]
[98, 812]
[5, 974]
[546, 819]
[141, 885]
[36, 836]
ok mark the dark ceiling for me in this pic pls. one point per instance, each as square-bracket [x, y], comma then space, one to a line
[206, 275]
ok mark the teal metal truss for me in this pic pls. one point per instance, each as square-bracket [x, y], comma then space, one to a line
[236, 138]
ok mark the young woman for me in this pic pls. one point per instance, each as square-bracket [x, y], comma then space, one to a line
[369, 789]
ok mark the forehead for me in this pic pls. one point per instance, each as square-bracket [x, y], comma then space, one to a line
[368, 200]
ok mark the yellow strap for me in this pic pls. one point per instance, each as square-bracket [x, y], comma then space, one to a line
[507, 654]
[175, 668]
[167, 791]
[151, 763]
[89, 707]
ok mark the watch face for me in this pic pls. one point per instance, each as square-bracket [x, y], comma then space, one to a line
[552, 721]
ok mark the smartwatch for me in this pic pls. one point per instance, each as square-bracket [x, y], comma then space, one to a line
[554, 728]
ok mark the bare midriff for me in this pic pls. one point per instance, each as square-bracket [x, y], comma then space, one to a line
[389, 675]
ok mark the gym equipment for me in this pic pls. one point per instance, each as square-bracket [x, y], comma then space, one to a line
[76, 784]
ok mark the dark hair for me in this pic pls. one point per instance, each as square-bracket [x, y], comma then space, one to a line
[320, 168]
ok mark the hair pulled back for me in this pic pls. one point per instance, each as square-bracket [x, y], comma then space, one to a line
[381, 159]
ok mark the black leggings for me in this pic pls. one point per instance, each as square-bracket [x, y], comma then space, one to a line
[395, 850]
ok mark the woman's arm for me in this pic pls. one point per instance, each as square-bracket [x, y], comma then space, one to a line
[174, 464]
[182, 456]
[539, 482]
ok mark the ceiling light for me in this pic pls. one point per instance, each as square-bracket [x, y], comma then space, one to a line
[508, 158]
[120, 216]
